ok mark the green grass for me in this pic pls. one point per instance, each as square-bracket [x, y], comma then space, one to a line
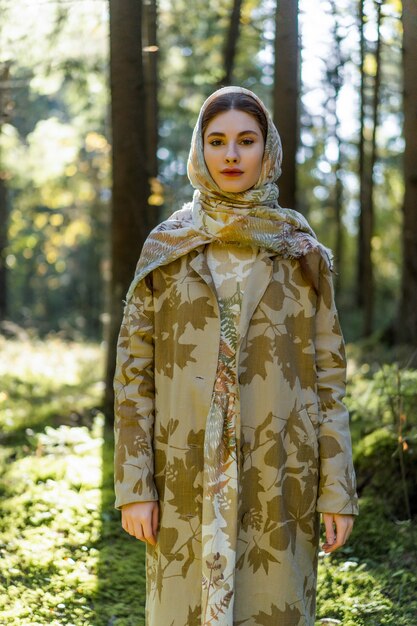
[66, 560]
[373, 580]
[64, 557]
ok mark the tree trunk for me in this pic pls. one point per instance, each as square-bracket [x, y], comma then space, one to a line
[368, 279]
[132, 218]
[338, 209]
[286, 93]
[4, 213]
[231, 43]
[150, 68]
[361, 165]
[3, 245]
[366, 291]
[335, 66]
[407, 317]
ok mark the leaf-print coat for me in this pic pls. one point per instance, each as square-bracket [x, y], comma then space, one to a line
[293, 441]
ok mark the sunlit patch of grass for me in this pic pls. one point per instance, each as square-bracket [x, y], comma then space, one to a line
[62, 363]
[50, 512]
[47, 383]
[372, 581]
[350, 594]
[49, 526]
[64, 558]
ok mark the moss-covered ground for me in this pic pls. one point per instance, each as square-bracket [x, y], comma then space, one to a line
[66, 560]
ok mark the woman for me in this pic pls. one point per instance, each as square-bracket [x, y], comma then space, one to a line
[231, 435]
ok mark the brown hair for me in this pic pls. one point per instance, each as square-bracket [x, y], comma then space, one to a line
[238, 101]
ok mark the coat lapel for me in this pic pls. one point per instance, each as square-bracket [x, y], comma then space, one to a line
[200, 265]
[258, 281]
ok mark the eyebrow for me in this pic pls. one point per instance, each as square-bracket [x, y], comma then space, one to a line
[244, 132]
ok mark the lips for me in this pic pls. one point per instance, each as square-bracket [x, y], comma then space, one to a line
[233, 172]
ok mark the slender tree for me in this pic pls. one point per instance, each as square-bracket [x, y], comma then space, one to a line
[367, 160]
[368, 285]
[363, 180]
[132, 217]
[230, 46]
[4, 213]
[3, 244]
[407, 318]
[150, 69]
[334, 76]
[286, 93]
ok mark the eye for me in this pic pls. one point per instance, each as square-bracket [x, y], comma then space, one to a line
[215, 142]
[247, 142]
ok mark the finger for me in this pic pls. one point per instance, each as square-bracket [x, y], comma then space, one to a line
[346, 529]
[132, 527]
[332, 548]
[155, 519]
[344, 525]
[124, 525]
[147, 530]
[125, 522]
[139, 532]
[330, 531]
[342, 534]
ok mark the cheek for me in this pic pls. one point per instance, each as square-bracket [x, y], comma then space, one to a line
[257, 161]
[208, 158]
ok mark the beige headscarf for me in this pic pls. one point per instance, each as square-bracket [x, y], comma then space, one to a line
[252, 217]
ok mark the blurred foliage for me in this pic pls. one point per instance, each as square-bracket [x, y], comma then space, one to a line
[319, 153]
[55, 152]
[383, 405]
[64, 556]
[55, 140]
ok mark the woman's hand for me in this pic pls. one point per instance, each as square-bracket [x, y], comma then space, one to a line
[140, 519]
[338, 528]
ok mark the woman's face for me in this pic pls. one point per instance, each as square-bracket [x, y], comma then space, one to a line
[233, 150]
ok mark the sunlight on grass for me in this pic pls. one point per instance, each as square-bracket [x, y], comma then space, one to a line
[48, 382]
[348, 593]
[64, 558]
[51, 360]
[50, 482]
[50, 524]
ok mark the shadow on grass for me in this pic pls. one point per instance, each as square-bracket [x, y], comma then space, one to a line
[381, 591]
[101, 569]
[120, 596]
[85, 571]
[34, 406]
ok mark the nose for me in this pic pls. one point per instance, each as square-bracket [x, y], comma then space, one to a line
[232, 155]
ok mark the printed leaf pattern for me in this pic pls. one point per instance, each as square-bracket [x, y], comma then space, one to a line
[247, 517]
[290, 616]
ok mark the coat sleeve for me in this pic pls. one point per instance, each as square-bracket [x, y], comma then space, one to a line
[337, 487]
[134, 400]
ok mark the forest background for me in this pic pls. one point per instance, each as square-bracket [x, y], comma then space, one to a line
[97, 104]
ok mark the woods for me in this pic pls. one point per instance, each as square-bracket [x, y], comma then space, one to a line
[133, 166]
[286, 95]
[338, 105]
[407, 330]
[97, 105]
